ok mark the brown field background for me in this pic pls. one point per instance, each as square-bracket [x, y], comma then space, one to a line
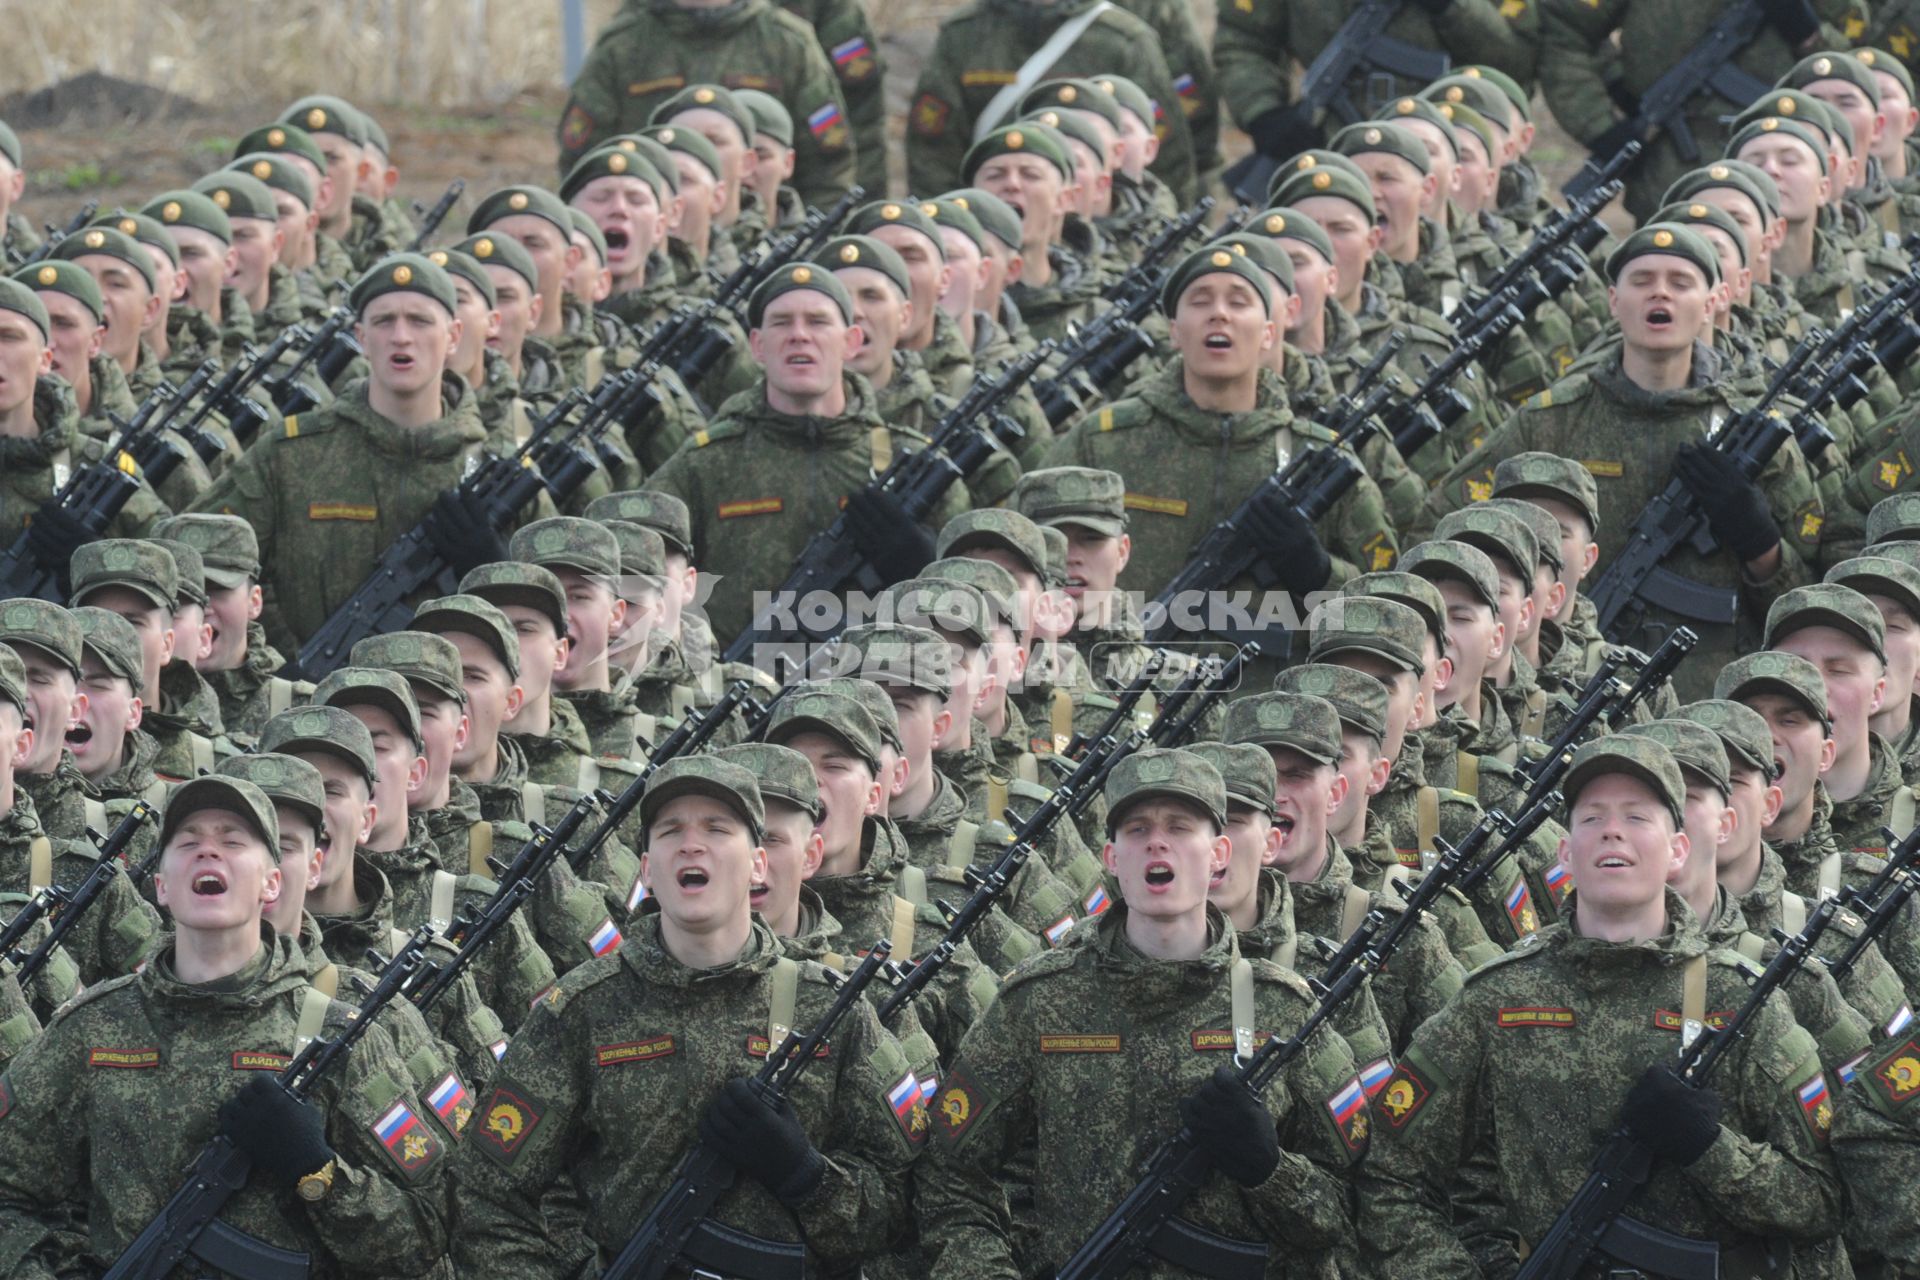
[121, 99]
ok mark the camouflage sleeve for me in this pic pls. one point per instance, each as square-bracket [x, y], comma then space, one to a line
[18, 1027]
[1500, 33]
[953, 1002]
[1456, 488]
[1194, 84]
[1357, 534]
[1770, 1172]
[1572, 36]
[1305, 1200]
[1795, 502]
[513, 972]
[117, 934]
[823, 166]
[507, 1165]
[1250, 56]
[43, 1158]
[1430, 1123]
[1423, 977]
[593, 104]
[853, 49]
[461, 1020]
[1876, 1144]
[1401, 490]
[249, 489]
[679, 417]
[1175, 165]
[939, 128]
[567, 912]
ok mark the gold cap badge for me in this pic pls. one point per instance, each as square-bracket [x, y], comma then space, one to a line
[48, 275]
[1276, 223]
[1663, 239]
[1016, 140]
[1822, 66]
[262, 170]
[95, 239]
[170, 212]
[403, 274]
[483, 248]
[703, 96]
[518, 200]
[316, 119]
[1222, 258]
[1371, 137]
[223, 197]
[801, 275]
[1068, 93]
[276, 137]
[890, 211]
[1321, 181]
[617, 162]
[849, 253]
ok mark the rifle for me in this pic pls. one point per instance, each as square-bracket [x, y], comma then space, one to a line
[1361, 45]
[679, 1224]
[1435, 404]
[1636, 580]
[1882, 901]
[56, 234]
[1709, 64]
[760, 714]
[430, 220]
[329, 350]
[1124, 705]
[228, 397]
[189, 1223]
[1174, 725]
[833, 560]
[1594, 1222]
[68, 905]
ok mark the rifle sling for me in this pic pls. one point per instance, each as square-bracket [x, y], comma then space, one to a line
[1693, 1000]
[1240, 987]
[39, 864]
[901, 933]
[313, 1017]
[880, 448]
[480, 848]
[781, 996]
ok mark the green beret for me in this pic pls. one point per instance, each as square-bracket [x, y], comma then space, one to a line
[1735, 175]
[1827, 604]
[285, 138]
[1267, 252]
[1695, 747]
[1385, 137]
[868, 218]
[1790, 105]
[113, 642]
[804, 276]
[865, 251]
[1549, 475]
[585, 226]
[1023, 138]
[377, 135]
[56, 276]
[239, 195]
[1209, 261]
[1073, 127]
[567, 542]
[231, 795]
[1697, 215]
[1443, 560]
[509, 583]
[320, 113]
[284, 780]
[1246, 770]
[1770, 126]
[511, 201]
[1296, 721]
[138, 564]
[1483, 96]
[707, 776]
[1668, 238]
[1283, 223]
[43, 625]
[1773, 671]
[277, 172]
[10, 145]
[654, 152]
[1358, 698]
[664, 513]
[1505, 83]
[1642, 758]
[1465, 117]
[770, 115]
[191, 209]
[473, 616]
[229, 549]
[706, 97]
[783, 774]
[491, 249]
[1833, 65]
[1152, 773]
[1325, 180]
[995, 215]
[1130, 96]
[1412, 108]
[144, 230]
[108, 242]
[688, 142]
[947, 212]
[322, 730]
[403, 272]
[1076, 95]
[464, 266]
[614, 162]
[1885, 63]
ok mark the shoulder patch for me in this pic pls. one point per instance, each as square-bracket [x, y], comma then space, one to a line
[956, 1106]
[507, 1119]
[1526, 949]
[407, 1139]
[1816, 1106]
[1895, 1074]
[614, 1055]
[1535, 1016]
[1406, 1092]
[123, 1059]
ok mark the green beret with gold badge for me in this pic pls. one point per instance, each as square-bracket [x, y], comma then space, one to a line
[279, 173]
[1215, 260]
[144, 230]
[403, 273]
[109, 242]
[802, 276]
[1022, 138]
[706, 97]
[239, 195]
[1671, 239]
[491, 249]
[1384, 137]
[680, 140]
[286, 138]
[70, 278]
[464, 266]
[614, 162]
[995, 216]
[523, 198]
[191, 209]
[865, 251]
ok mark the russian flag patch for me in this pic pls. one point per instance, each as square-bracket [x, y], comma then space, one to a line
[1519, 905]
[847, 52]
[1815, 1106]
[1349, 1108]
[605, 939]
[451, 1102]
[1374, 1076]
[1057, 932]
[824, 119]
[1183, 85]
[636, 895]
[906, 1101]
[1097, 901]
[410, 1143]
[1559, 880]
[1901, 1020]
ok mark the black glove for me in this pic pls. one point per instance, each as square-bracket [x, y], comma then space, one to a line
[1284, 132]
[898, 548]
[54, 535]
[1795, 20]
[286, 1137]
[1234, 1126]
[1674, 1120]
[1288, 544]
[762, 1139]
[1624, 98]
[1736, 510]
[1609, 144]
[461, 534]
[1435, 7]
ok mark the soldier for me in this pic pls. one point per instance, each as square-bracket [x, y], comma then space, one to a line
[526, 369]
[76, 318]
[840, 1171]
[1873, 1144]
[110, 749]
[17, 236]
[712, 111]
[368, 241]
[991, 325]
[697, 243]
[1440, 1112]
[647, 54]
[203, 234]
[1281, 1156]
[367, 1174]
[538, 220]
[1892, 587]
[1526, 564]
[1816, 266]
[176, 340]
[353, 216]
[124, 273]
[1895, 84]
[1846, 84]
[633, 204]
[268, 290]
[296, 193]
[590, 282]
[774, 159]
[1570, 640]
[1027, 166]
[1089, 506]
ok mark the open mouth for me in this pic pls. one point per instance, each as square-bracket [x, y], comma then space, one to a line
[799, 360]
[616, 240]
[1283, 824]
[79, 736]
[1613, 862]
[1659, 316]
[691, 878]
[1158, 875]
[400, 360]
[757, 894]
[209, 884]
[1219, 342]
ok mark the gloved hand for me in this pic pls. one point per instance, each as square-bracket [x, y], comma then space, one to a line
[1675, 1121]
[1288, 544]
[1736, 510]
[1608, 144]
[54, 535]
[461, 534]
[286, 1137]
[1795, 20]
[1435, 7]
[1234, 1125]
[1284, 132]
[762, 1139]
[898, 547]
[1624, 98]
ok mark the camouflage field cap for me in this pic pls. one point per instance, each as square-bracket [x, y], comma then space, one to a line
[951, 213]
[995, 526]
[770, 115]
[329, 730]
[1385, 137]
[1670, 239]
[491, 249]
[403, 273]
[567, 542]
[474, 616]
[611, 161]
[109, 242]
[1246, 769]
[430, 663]
[1282, 222]
[1153, 773]
[507, 583]
[144, 230]
[43, 625]
[1085, 496]
[324, 113]
[1411, 590]
[1056, 543]
[643, 552]
[1315, 173]
[995, 585]
[349, 687]
[113, 642]
[1743, 731]
[1536, 474]
[1360, 700]
[192, 580]
[13, 680]
[878, 705]
[1367, 624]
[134, 563]
[783, 773]
[229, 549]
[793, 279]
[1695, 747]
[1024, 137]
[23, 301]
[1895, 518]
[708, 776]
[1643, 758]
[1881, 575]
[1880, 60]
[995, 216]
[1901, 551]
[844, 252]
[279, 173]
[954, 607]
[194, 209]
[1827, 604]
[238, 195]
[1076, 95]
[1444, 560]
[870, 217]
[816, 707]
[707, 97]
[1771, 671]
[59, 276]
[285, 780]
[1546, 530]
[899, 655]
[286, 137]
[1215, 260]
[1500, 533]
[522, 198]
[1296, 721]
[663, 513]
[233, 795]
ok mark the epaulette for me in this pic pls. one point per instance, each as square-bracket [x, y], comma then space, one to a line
[1525, 949]
[1566, 391]
[1728, 958]
[1308, 429]
[818, 974]
[1027, 790]
[80, 999]
[1058, 960]
[1270, 974]
[742, 671]
[1122, 414]
[578, 980]
[299, 426]
[725, 429]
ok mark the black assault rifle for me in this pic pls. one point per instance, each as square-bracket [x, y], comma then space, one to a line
[66, 906]
[431, 219]
[56, 234]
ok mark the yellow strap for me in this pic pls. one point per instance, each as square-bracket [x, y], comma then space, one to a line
[533, 802]
[1354, 911]
[96, 815]
[1026, 767]
[1830, 875]
[1467, 773]
[913, 884]
[1693, 1000]
[966, 836]
[680, 700]
[786, 985]
[1060, 719]
[880, 447]
[996, 797]
[835, 961]
[440, 901]
[589, 776]
[1904, 802]
[156, 793]
[1240, 987]
[279, 696]
[39, 864]
[1536, 717]
[313, 1018]
[1793, 912]
[327, 981]
[1752, 946]
[1287, 952]
[1426, 822]
[902, 934]
[480, 848]
[202, 751]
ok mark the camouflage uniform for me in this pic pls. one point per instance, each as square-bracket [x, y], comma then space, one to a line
[121, 929]
[846, 35]
[33, 467]
[17, 240]
[1874, 1144]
